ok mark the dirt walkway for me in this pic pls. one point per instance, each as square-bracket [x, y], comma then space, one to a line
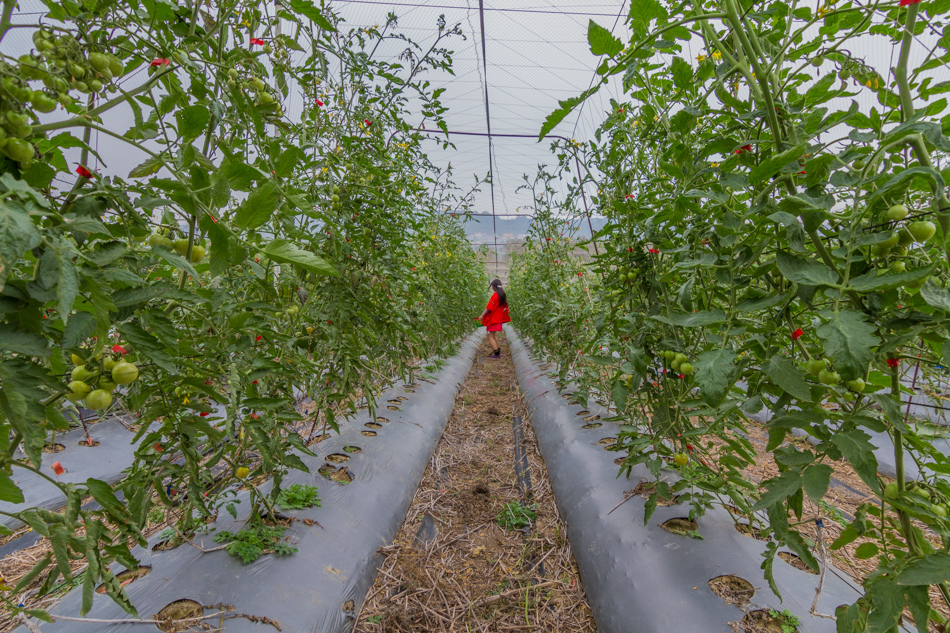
[468, 557]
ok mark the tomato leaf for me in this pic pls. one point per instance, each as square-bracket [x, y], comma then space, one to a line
[927, 570]
[286, 252]
[715, 374]
[815, 480]
[805, 271]
[309, 11]
[565, 107]
[779, 489]
[786, 375]
[770, 166]
[192, 121]
[258, 207]
[873, 281]
[858, 450]
[935, 295]
[849, 340]
[602, 41]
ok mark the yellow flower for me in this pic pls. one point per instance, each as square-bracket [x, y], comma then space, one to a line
[716, 55]
[246, 23]
[700, 57]
[823, 11]
[185, 400]
[714, 164]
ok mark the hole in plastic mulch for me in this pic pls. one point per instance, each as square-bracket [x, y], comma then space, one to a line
[680, 525]
[795, 561]
[732, 589]
[607, 441]
[167, 544]
[352, 449]
[349, 605]
[373, 425]
[89, 444]
[174, 612]
[392, 408]
[320, 438]
[55, 447]
[761, 621]
[753, 532]
[591, 418]
[584, 412]
[127, 577]
[369, 433]
[567, 395]
[620, 460]
[382, 420]
[592, 425]
[394, 401]
[646, 488]
[338, 458]
[339, 475]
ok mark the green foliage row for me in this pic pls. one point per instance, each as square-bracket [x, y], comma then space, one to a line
[254, 255]
[771, 245]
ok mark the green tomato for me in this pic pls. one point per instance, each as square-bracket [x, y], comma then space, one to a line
[939, 509]
[899, 267]
[891, 491]
[107, 385]
[197, 253]
[115, 66]
[125, 373]
[99, 61]
[922, 230]
[17, 149]
[680, 459]
[676, 364]
[109, 363]
[816, 365]
[32, 68]
[859, 164]
[827, 377]
[857, 384]
[904, 238]
[817, 61]
[77, 71]
[80, 373]
[897, 213]
[890, 242]
[79, 388]
[43, 102]
[98, 399]
[686, 369]
[181, 245]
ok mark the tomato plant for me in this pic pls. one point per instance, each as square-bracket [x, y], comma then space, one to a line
[791, 244]
[256, 255]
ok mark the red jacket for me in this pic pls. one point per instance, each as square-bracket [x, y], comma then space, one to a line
[496, 313]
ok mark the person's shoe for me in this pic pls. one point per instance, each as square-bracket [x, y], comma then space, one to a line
[496, 353]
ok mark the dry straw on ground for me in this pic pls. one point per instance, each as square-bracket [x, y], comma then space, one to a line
[473, 574]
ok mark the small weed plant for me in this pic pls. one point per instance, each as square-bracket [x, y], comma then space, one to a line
[516, 516]
[298, 497]
[254, 541]
[787, 620]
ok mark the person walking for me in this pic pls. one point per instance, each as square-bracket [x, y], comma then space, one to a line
[495, 314]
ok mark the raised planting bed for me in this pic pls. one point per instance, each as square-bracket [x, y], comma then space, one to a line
[371, 472]
[646, 578]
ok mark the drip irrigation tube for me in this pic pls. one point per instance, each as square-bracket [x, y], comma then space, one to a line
[644, 578]
[320, 588]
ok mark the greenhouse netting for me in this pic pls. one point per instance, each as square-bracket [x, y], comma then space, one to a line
[247, 249]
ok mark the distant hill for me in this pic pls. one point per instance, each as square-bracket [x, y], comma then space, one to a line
[481, 230]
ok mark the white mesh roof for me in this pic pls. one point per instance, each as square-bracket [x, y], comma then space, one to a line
[536, 53]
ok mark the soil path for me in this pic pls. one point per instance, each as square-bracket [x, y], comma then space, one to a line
[469, 556]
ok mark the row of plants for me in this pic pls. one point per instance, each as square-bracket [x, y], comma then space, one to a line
[231, 255]
[770, 244]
